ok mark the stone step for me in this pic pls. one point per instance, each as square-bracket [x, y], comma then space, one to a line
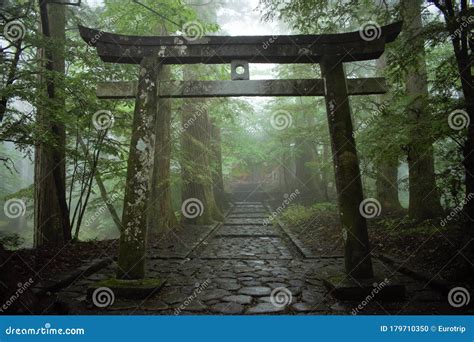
[248, 215]
[256, 210]
[247, 230]
[247, 221]
[248, 247]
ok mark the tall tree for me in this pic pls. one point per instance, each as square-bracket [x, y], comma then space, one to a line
[424, 197]
[216, 163]
[306, 178]
[386, 165]
[195, 163]
[196, 143]
[457, 15]
[51, 212]
[161, 213]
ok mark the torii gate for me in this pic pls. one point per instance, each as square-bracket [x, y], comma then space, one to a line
[329, 50]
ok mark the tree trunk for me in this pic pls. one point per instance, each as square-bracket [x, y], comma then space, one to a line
[198, 202]
[386, 166]
[196, 173]
[288, 179]
[51, 211]
[386, 183]
[357, 258]
[424, 197]
[308, 182]
[217, 176]
[103, 192]
[10, 77]
[133, 240]
[459, 27]
[161, 213]
[326, 172]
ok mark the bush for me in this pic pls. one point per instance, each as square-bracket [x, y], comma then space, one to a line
[10, 241]
[301, 215]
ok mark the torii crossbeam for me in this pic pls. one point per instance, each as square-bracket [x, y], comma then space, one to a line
[187, 89]
[294, 49]
[329, 50]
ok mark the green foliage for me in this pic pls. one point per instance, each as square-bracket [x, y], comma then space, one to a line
[299, 215]
[404, 226]
[382, 125]
[249, 141]
[10, 241]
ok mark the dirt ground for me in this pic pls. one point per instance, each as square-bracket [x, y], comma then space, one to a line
[445, 253]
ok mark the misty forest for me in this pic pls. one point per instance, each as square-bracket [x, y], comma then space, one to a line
[179, 157]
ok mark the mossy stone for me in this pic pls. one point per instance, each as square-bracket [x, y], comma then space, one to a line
[131, 289]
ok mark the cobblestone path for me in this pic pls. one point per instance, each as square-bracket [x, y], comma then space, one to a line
[245, 267]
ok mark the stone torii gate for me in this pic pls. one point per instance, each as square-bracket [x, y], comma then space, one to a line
[329, 50]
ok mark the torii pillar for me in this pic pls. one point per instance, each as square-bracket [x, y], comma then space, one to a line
[358, 263]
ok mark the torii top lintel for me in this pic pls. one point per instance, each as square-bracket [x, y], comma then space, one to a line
[346, 47]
